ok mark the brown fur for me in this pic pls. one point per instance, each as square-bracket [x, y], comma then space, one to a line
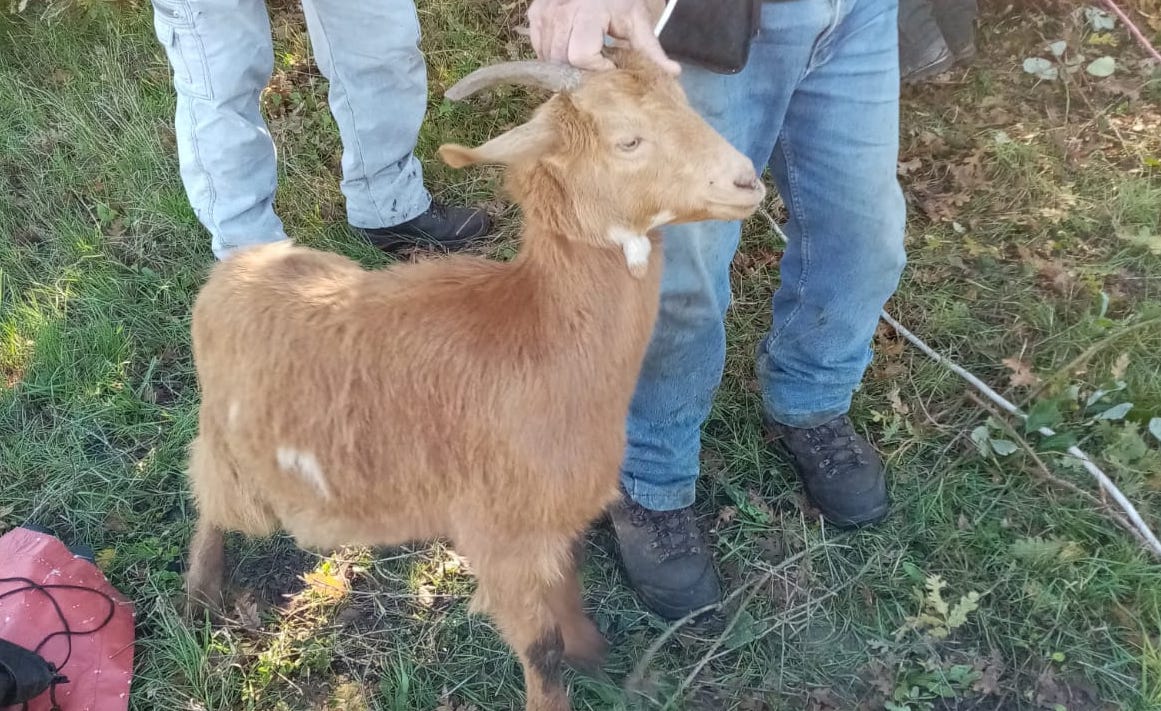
[463, 398]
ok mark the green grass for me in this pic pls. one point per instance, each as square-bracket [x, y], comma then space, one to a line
[1039, 252]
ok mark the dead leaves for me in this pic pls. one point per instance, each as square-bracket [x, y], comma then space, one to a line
[246, 610]
[1052, 272]
[990, 671]
[1022, 375]
[897, 403]
[941, 198]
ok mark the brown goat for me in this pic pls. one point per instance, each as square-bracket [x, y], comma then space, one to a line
[476, 400]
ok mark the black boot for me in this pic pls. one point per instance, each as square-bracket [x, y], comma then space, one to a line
[666, 559]
[957, 24]
[441, 226]
[923, 52]
[841, 472]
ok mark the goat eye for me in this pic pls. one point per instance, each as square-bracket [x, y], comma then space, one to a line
[629, 145]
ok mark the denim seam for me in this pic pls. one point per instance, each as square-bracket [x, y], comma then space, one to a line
[824, 41]
[215, 226]
[347, 102]
[803, 230]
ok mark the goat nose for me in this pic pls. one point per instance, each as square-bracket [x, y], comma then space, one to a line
[748, 181]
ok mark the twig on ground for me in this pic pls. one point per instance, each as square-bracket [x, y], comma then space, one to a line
[1045, 474]
[633, 681]
[1107, 485]
[1091, 351]
[1103, 479]
[754, 586]
[1134, 30]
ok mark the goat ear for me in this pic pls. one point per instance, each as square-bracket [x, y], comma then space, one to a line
[517, 145]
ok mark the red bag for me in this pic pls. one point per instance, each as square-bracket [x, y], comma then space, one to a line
[99, 664]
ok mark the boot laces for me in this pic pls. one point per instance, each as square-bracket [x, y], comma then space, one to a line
[839, 444]
[674, 533]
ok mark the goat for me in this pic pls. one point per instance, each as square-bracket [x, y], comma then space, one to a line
[464, 398]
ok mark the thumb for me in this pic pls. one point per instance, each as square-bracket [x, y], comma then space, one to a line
[643, 40]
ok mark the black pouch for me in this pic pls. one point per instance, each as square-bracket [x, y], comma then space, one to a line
[714, 34]
[24, 675]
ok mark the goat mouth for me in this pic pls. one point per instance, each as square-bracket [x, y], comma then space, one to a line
[750, 204]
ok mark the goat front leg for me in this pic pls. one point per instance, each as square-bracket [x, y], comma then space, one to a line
[514, 590]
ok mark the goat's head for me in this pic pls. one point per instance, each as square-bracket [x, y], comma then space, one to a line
[621, 151]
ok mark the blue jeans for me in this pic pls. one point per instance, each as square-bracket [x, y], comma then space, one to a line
[818, 103]
[222, 56]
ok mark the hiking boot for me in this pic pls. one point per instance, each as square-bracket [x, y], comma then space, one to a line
[842, 474]
[957, 24]
[666, 558]
[923, 52]
[450, 228]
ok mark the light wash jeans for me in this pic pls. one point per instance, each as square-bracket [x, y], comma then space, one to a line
[819, 103]
[222, 57]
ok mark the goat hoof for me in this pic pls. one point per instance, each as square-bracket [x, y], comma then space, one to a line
[588, 656]
[198, 604]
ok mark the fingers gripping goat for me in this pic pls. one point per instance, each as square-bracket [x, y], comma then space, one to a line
[480, 401]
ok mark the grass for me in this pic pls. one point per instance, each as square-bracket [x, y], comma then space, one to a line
[1034, 209]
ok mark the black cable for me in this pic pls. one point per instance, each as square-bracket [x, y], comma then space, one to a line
[67, 632]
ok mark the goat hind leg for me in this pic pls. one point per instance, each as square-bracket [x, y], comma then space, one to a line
[584, 645]
[203, 579]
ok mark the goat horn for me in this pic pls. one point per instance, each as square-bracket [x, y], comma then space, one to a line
[543, 75]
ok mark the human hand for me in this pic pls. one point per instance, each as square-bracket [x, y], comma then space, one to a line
[573, 31]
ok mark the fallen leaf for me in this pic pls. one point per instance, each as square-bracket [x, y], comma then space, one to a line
[823, 700]
[907, 167]
[980, 438]
[1155, 427]
[1116, 412]
[1057, 48]
[1102, 67]
[1120, 366]
[1040, 68]
[1099, 20]
[1103, 39]
[989, 682]
[1022, 375]
[726, 514]
[1004, 447]
[897, 403]
[246, 608]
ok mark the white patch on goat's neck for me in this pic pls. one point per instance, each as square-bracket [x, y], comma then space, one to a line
[305, 465]
[636, 247]
[232, 415]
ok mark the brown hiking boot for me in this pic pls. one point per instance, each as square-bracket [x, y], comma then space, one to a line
[666, 559]
[842, 474]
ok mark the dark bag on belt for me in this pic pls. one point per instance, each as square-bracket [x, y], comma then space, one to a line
[714, 34]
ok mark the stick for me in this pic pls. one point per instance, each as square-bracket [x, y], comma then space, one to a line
[1149, 538]
[1137, 34]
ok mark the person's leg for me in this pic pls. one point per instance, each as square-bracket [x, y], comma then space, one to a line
[923, 50]
[835, 166]
[221, 55]
[660, 546]
[369, 52]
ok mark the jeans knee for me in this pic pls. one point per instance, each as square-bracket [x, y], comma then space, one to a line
[885, 256]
